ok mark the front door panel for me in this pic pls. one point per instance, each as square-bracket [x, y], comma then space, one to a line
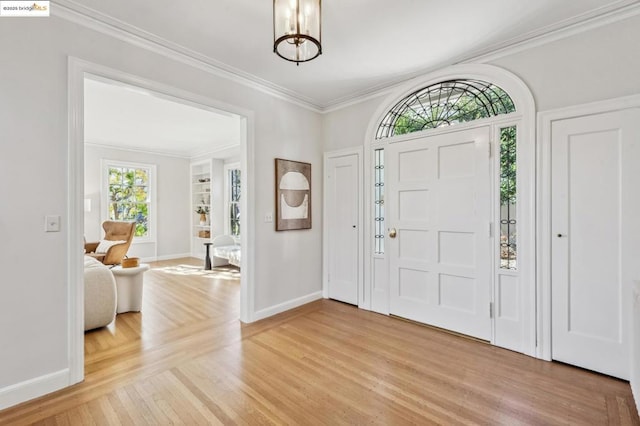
[440, 206]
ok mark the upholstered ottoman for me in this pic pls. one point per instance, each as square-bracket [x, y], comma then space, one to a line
[129, 284]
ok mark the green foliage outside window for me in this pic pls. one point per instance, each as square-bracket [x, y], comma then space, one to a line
[508, 165]
[443, 104]
[129, 197]
[439, 115]
[508, 199]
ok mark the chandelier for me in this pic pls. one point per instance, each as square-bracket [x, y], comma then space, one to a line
[296, 29]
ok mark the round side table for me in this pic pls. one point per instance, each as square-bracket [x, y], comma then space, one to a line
[129, 287]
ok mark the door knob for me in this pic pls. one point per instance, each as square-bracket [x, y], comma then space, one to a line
[392, 233]
[561, 235]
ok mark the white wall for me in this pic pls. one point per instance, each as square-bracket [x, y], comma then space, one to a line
[347, 127]
[33, 182]
[599, 64]
[293, 139]
[172, 200]
[591, 66]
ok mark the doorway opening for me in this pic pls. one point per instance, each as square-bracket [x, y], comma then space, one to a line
[170, 182]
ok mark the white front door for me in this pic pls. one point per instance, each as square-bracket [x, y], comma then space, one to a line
[439, 204]
[595, 168]
[342, 228]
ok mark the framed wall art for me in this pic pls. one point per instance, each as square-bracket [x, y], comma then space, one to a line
[293, 195]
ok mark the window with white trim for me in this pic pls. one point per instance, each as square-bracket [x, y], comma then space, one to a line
[233, 201]
[129, 194]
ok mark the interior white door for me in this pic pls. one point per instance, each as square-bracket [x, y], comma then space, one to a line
[439, 203]
[343, 233]
[595, 242]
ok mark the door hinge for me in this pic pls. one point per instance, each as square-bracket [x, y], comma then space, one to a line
[490, 309]
[489, 149]
[490, 229]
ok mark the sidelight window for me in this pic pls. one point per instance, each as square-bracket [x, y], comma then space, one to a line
[508, 198]
[379, 201]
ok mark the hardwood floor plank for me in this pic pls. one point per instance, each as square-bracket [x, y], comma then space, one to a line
[254, 398]
[161, 411]
[217, 413]
[182, 400]
[369, 375]
[136, 409]
[186, 359]
[121, 412]
[349, 389]
[62, 420]
[102, 413]
[81, 415]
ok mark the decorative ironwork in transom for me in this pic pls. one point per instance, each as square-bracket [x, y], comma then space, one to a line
[443, 104]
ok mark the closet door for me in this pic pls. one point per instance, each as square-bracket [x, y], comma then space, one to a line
[596, 238]
[343, 233]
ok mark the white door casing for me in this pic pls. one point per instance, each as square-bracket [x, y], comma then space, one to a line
[516, 327]
[343, 228]
[439, 203]
[595, 240]
[77, 70]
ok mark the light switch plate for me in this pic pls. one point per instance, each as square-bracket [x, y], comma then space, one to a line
[52, 223]
[268, 217]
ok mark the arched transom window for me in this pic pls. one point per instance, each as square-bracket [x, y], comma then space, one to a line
[443, 104]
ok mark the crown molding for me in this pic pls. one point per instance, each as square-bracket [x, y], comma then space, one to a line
[379, 90]
[596, 18]
[92, 19]
[106, 145]
[97, 21]
[619, 11]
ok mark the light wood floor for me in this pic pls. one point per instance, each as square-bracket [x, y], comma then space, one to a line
[186, 359]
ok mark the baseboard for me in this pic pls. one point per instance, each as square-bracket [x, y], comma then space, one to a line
[165, 257]
[33, 388]
[273, 310]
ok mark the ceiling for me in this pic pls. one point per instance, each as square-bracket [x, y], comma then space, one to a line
[121, 116]
[367, 44]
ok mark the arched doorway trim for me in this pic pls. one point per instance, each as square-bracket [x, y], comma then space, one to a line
[524, 119]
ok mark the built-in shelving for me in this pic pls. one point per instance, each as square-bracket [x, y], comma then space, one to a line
[201, 198]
